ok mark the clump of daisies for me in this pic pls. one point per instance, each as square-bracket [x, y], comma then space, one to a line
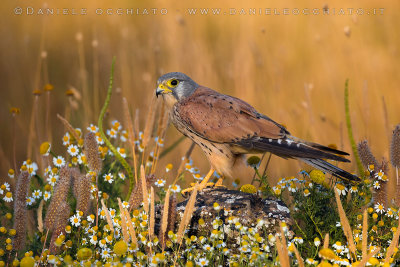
[113, 230]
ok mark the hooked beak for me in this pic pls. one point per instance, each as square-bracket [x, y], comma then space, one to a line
[162, 89]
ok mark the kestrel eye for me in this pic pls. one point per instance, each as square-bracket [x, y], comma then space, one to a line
[174, 82]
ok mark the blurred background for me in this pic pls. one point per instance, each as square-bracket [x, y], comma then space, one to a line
[290, 67]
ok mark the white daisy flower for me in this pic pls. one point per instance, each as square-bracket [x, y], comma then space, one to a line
[59, 161]
[37, 194]
[93, 239]
[75, 220]
[8, 197]
[353, 189]
[379, 175]
[202, 262]
[81, 158]
[125, 204]
[93, 128]
[379, 208]
[112, 133]
[311, 261]
[160, 183]
[208, 248]
[46, 195]
[105, 253]
[121, 151]
[30, 201]
[121, 175]
[159, 141]
[103, 243]
[124, 136]
[90, 218]
[317, 242]
[376, 185]
[175, 188]
[108, 177]
[52, 179]
[66, 139]
[116, 125]
[73, 150]
[6, 186]
[99, 140]
[341, 189]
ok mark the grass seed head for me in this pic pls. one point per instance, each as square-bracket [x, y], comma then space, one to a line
[92, 153]
[20, 211]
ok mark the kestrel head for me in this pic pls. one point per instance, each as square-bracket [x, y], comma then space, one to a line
[175, 85]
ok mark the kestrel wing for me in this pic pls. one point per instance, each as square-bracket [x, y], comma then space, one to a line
[225, 119]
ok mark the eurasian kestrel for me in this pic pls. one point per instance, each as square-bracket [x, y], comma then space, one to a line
[226, 128]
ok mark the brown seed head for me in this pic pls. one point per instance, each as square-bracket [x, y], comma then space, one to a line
[92, 153]
[395, 147]
[20, 212]
[60, 196]
[366, 156]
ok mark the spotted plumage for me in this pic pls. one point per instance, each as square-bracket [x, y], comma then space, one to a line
[226, 128]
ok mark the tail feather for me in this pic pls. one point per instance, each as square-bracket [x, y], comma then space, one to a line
[291, 147]
[329, 168]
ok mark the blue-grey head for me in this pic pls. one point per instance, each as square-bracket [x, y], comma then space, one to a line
[175, 84]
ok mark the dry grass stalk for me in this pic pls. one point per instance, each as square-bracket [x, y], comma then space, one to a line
[385, 116]
[59, 197]
[124, 226]
[148, 129]
[366, 156]
[92, 153]
[187, 215]
[20, 211]
[393, 244]
[326, 241]
[145, 196]
[108, 216]
[283, 257]
[32, 123]
[364, 234]
[83, 189]
[59, 226]
[161, 129]
[171, 213]
[40, 216]
[298, 257]
[164, 220]
[284, 246]
[345, 224]
[136, 126]
[152, 214]
[69, 127]
[131, 228]
[364, 261]
[161, 120]
[131, 133]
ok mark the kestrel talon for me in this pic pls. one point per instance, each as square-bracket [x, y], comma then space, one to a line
[226, 128]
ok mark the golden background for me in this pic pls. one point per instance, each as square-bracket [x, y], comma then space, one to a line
[290, 67]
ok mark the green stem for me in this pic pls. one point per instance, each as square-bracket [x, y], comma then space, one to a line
[104, 137]
[315, 224]
[350, 129]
